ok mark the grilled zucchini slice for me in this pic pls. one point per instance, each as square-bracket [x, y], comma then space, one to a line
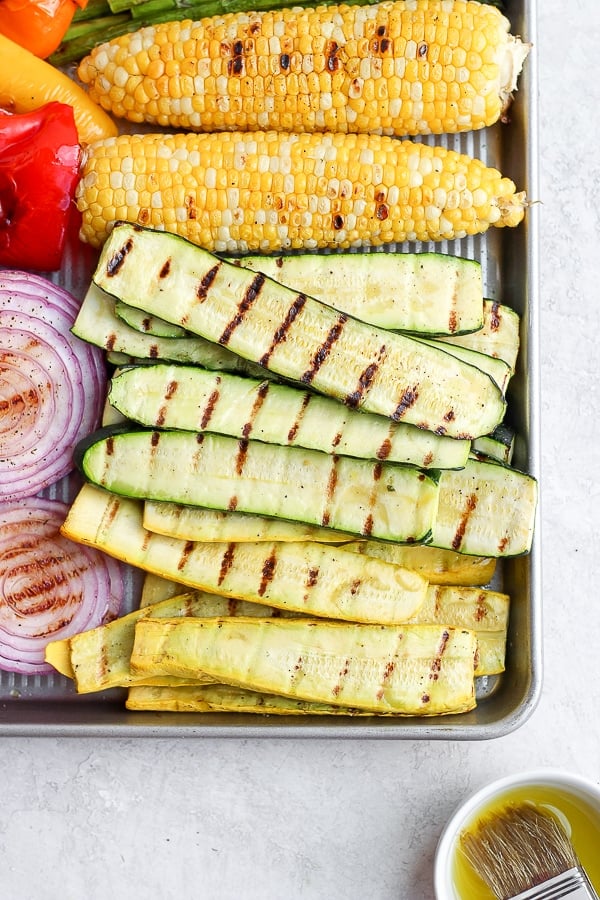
[361, 497]
[194, 399]
[424, 293]
[296, 336]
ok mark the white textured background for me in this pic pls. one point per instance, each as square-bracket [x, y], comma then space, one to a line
[266, 820]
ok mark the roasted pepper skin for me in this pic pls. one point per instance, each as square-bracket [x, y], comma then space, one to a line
[39, 169]
[37, 25]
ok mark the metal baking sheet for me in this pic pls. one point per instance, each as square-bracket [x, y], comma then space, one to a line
[48, 705]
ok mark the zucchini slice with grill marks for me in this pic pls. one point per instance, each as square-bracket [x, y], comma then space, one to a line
[194, 399]
[296, 336]
[316, 579]
[425, 293]
[193, 523]
[98, 324]
[408, 670]
[487, 509]
[137, 319]
[498, 337]
[359, 496]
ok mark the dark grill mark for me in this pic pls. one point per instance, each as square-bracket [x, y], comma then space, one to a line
[184, 556]
[226, 563]
[364, 382]
[436, 664]
[284, 61]
[428, 459]
[18, 401]
[232, 505]
[250, 295]
[313, 575]
[331, 486]
[280, 334]
[449, 416]
[503, 543]
[206, 281]
[171, 389]
[324, 350]
[464, 521]
[408, 399]
[338, 222]
[111, 341]
[480, 608]
[422, 50]
[453, 322]
[154, 353]
[385, 45]
[116, 261]
[495, 317]
[155, 439]
[146, 323]
[268, 571]
[291, 435]
[110, 446]
[381, 30]
[382, 211]
[387, 674]
[332, 62]
[355, 586]
[336, 440]
[165, 269]
[210, 406]
[261, 393]
[235, 65]
[377, 470]
[241, 455]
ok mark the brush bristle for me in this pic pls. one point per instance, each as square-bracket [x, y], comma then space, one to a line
[517, 848]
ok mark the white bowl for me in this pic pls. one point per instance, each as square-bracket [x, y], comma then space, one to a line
[575, 786]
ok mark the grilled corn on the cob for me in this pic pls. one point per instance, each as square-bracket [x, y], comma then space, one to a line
[400, 68]
[242, 192]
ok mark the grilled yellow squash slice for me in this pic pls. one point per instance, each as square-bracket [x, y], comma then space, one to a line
[310, 578]
[407, 670]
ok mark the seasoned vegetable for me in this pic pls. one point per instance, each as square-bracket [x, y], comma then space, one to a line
[51, 384]
[487, 509]
[425, 293]
[437, 566]
[411, 670]
[193, 399]
[37, 24]
[266, 192]
[316, 579]
[192, 523]
[499, 336]
[51, 587]
[396, 68]
[26, 83]
[39, 168]
[98, 324]
[359, 496]
[298, 337]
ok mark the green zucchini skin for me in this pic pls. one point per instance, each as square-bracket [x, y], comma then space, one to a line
[486, 509]
[360, 497]
[422, 293]
[98, 324]
[296, 336]
[193, 399]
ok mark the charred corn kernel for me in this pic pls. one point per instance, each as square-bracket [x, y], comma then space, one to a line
[269, 191]
[400, 67]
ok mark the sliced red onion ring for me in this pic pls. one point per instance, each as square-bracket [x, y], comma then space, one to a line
[52, 384]
[50, 587]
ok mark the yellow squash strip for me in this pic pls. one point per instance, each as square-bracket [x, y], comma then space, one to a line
[99, 658]
[400, 68]
[311, 578]
[437, 566]
[407, 670]
[241, 192]
[209, 698]
[484, 612]
[27, 83]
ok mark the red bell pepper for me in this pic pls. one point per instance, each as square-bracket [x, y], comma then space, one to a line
[37, 25]
[39, 170]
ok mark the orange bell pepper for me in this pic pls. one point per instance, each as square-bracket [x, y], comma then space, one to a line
[37, 25]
